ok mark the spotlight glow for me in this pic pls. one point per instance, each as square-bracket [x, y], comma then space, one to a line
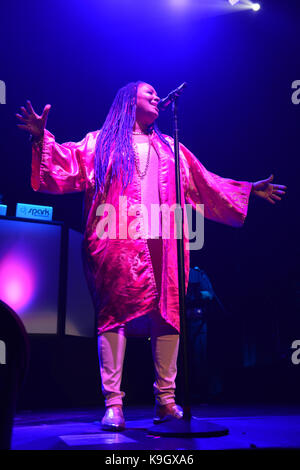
[255, 6]
[179, 3]
[245, 4]
[16, 282]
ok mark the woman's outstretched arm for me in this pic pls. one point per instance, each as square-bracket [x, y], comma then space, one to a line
[57, 168]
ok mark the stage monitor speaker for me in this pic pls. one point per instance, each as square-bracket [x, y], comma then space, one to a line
[14, 359]
[42, 278]
[80, 313]
[29, 272]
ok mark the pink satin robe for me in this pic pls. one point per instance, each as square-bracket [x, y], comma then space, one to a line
[119, 271]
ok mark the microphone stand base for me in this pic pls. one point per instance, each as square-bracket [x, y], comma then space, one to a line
[189, 428]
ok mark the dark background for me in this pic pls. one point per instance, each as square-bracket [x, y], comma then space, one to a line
[236, 116]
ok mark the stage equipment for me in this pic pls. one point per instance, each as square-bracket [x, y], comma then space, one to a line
[255, 6]
[164, 102]
[14, 359]
[246, 3]
[3, 209]
[42, 277]
[188, 426]
[30, 211]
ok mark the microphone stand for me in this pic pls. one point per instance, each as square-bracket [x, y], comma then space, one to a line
[188, 426]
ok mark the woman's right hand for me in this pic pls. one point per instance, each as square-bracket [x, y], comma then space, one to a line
[31, 121]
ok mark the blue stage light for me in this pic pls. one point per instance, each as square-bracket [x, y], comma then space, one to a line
[179, 3]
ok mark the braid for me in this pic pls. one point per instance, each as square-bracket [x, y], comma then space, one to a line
[115, 138]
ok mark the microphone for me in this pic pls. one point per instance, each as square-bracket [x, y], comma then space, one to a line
[164, 102]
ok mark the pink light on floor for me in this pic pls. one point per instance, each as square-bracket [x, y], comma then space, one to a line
[17, 281]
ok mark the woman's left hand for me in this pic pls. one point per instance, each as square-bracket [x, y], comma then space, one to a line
[267, 190]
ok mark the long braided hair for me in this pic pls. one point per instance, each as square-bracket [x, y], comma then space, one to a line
[115, 137]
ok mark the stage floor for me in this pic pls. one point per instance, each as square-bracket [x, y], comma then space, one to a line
[250, 427]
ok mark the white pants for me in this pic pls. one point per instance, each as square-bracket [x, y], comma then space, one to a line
[111, 349]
